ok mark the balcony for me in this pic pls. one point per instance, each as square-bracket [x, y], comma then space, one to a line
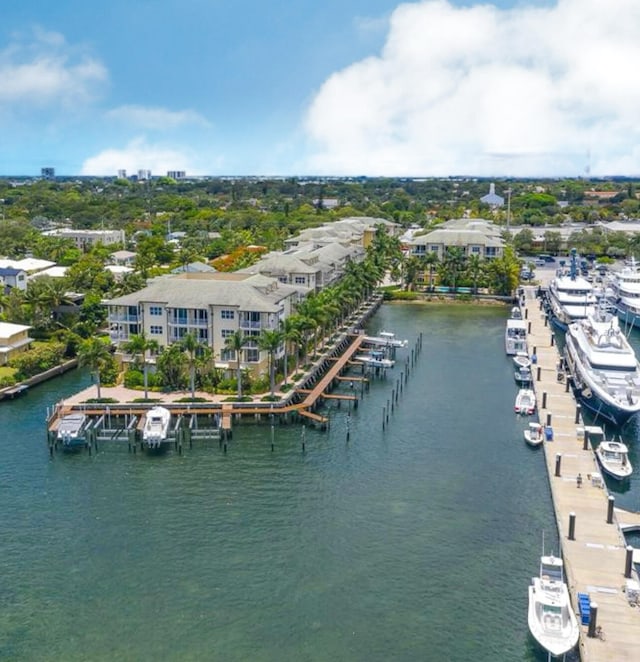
[124, 317]
[183, 321]
[248, 324]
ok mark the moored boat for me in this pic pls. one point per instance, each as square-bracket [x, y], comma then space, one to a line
[552, 621]
[534, 434]
[525, 402]
[523, 377]
[522, 360]
[613, 457]
[515, 336]
[156, 427]
[604, 367]
[375, 359]
[71, 430]
[625, 293]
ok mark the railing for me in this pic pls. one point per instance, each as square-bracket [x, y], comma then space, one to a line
[123, 317]
[184, 321]
[247, 324]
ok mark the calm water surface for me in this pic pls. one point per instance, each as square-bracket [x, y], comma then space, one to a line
[414, 543]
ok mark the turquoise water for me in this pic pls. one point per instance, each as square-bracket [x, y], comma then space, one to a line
[413, 543]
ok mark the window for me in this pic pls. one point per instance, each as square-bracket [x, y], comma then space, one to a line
[203, 335]
[155, 310]
[226, 333]
[475, 250]
[155, 330]
[227, 314]
[253, 355]
[227, 355]
[300, 280]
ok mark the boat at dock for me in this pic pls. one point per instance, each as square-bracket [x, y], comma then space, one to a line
[522, 360]
[552, 621]
[71, 430]
[534, 434]
[604, 367]
[523, 377]
[375, 359]
[570, 297]
[156, 427]
[525, 402]
[386, 339]
[613, 457]
[515, 337]
[624, 293]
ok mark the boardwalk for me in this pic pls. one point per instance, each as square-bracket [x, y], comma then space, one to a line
[595, 559]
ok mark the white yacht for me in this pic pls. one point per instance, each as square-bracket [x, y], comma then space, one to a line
[571, 297]
[613, 457]
[515, 337]
[625, 293]
[605, 371]
[552, 621]
[156, 427]
[525, 402]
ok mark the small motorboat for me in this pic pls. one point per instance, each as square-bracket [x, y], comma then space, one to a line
[613, 457]
[521, 360]
[156, 427]
[71, 431]
[534, 434]
[552, 621]
[523, 377]
[516, 313]
[525, 402]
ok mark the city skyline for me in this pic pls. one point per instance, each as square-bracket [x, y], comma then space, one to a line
[351, 87]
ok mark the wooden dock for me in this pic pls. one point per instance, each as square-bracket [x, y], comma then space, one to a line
[595, 558]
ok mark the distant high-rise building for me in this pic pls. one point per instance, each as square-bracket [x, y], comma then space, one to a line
[48, 173]
[143, 175]
[176, 174]
[122, 174]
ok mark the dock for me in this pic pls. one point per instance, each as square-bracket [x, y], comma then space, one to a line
[597, 560]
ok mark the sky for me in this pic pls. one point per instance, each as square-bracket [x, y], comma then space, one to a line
[509, 88]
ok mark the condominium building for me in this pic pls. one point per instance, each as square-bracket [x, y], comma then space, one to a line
[83, 239]
[211, 306]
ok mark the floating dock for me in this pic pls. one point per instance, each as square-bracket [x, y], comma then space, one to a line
[597, 560]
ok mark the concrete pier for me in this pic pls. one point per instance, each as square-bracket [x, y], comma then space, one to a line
[595, 554]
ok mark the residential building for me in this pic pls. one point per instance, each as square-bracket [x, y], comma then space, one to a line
[11, 277]
[177, 174]
[211, 306]
[30, 265]
[124, 258]
[473, 235]
[14, 339]
[83, 239]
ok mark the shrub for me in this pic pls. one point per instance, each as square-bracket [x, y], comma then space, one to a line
[7, 380]
[401, 295]
[104, 401]
[37, 360]
[133, 379]
[190, 399]
[244, 398]
[270, 398]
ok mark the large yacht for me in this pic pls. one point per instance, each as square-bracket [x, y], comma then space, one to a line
[606, 373]
[571, 297]
[625, 293]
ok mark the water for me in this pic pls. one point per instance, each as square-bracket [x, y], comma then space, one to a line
[414, 543]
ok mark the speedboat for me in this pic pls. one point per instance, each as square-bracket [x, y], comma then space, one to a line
[604, 367]
[552, 621]
[71, 429]
[525, 402]
[613, 457]
[523, 377]
[390, 339]
[522, 360]
[534, 434]
[156, 427]
[515, 336]
[516, 313]
[571, 297]
[375, 359]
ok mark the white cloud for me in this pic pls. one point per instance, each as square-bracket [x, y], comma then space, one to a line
[42, 70]
[144, 117]
[140, 155]
[480, 90]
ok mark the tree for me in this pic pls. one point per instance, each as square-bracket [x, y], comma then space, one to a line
[190, 345]
[236, 343]
[137, 346]
[452, 265]
[290, 334]
[431, 260]
[94, 353]
[270, 341]
[475, 270]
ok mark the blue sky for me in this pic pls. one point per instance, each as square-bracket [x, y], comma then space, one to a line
[338, 87]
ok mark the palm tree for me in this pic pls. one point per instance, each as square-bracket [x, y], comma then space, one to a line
[270, 340]
[290, 334]
[190, 344]
[453, 261]
[94, 353]
[431, 261]
[475, 269]
[235, 343]
[137, 346]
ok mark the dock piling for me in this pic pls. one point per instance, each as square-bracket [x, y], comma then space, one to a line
[628, 561]
[610, 503]
[544, 398]
[593, 619]
[578, 412]
[558, 464]
[572, 526]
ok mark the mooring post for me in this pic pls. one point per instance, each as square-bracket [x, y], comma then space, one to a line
[593, 619]
[578, 411]
[553, 340]
[544, 399]
[538, 373]
[392, 399]
[397, 389]
[546, 319]
[303, 437]
[348, 426]
[387, 411]
[558, 464]
[572, 526]
[611, 501]
[273, 432]
[567, 384]
[383, 413]
[548, 419]
[401, 380]
[528, 327]
[585, 440]
[628, 561]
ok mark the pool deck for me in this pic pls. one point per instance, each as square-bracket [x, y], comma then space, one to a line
[595, 558]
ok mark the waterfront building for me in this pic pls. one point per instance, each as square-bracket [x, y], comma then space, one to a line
[475, 236]
[211, 306]
[124, 258]
[14, 339]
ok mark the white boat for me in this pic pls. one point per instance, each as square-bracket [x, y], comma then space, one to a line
[624, 293]
[386, 339]
[525, 402]
[516, 313]
[70, 430]
[375, 359]
[571, 297]
[613, 457]
[552, 621]
[604, 367]
[156, 427]
[522, 360]
[534, 434]
[523, 377]
[515, 336]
